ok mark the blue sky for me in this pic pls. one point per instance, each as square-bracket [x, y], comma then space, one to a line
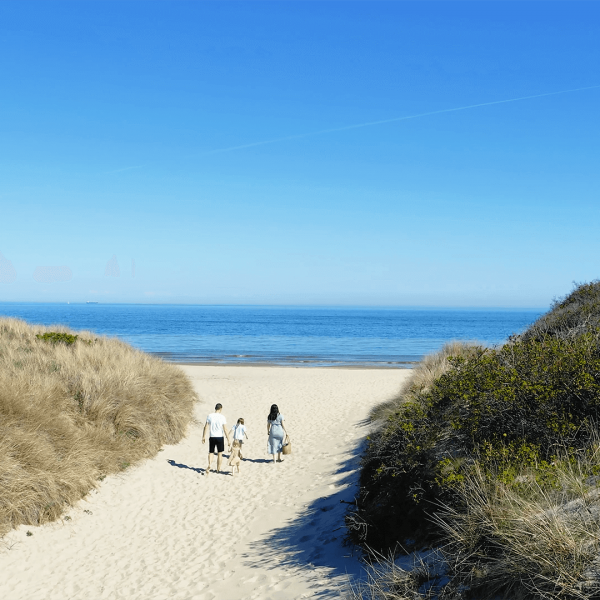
[113, 117]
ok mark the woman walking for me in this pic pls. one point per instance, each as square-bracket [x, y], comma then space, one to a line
[277, 432]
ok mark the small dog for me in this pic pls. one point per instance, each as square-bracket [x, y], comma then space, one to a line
[235, 457]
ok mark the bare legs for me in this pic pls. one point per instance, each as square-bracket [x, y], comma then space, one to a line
[219, 459]
[279, 459]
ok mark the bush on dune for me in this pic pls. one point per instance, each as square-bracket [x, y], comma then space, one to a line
[577, 313]
[423, 376]
[491, 457]
[524, 542]
[399, 463]
[74, 408]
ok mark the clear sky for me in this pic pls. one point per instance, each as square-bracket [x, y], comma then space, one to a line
[132, 129]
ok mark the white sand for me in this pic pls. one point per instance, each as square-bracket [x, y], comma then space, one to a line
[162, 530]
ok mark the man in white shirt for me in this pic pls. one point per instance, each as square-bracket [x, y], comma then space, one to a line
[216, 423]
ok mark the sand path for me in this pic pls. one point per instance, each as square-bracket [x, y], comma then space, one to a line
[163, 530]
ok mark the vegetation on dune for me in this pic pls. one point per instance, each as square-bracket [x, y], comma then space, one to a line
[526, 542]
[399, 467]
[74, 408]
[568, 317]
[492, 453]
[55, 337]
[534, 540]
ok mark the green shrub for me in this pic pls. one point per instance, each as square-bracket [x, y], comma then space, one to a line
[576, 313]
[526, 540]
[494, 454]
[422, 378]
[503, 410]
[55, 337]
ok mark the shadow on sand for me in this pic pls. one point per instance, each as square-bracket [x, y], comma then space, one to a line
[316, 538]
[182, 466]
[256, 460]
[213, 470]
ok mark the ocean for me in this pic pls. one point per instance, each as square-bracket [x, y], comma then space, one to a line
[300, 336]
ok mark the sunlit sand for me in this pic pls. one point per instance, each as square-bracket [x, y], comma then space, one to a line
[163, 530]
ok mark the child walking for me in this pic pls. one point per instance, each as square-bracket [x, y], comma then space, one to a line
[235, 458]
[239, 431]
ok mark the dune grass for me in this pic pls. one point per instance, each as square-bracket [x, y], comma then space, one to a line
[530, 539]
[524, 540]
[73, 409]
[387, 580]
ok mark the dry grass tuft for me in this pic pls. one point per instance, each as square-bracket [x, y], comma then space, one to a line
[387, 580]
[72, 413]
[528, 541]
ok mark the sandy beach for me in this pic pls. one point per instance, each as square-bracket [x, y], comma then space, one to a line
[163, 530]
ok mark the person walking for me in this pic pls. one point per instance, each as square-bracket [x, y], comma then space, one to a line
[215, 422]
[238, 431]
[277, 432]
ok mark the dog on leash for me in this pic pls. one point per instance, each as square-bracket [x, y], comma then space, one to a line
[235, 457]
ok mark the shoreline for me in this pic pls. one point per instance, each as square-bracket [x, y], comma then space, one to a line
[358, 366]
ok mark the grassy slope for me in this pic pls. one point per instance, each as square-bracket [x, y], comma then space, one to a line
[497, 456]
[71, 414]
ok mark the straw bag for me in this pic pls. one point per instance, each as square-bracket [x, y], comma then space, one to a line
[287, 446]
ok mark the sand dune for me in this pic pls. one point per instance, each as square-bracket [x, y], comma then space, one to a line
[163, 530]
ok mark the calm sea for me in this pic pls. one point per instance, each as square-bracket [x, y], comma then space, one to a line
[308, 336]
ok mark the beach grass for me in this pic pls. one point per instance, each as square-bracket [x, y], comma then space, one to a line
[75, 407]
[525, 541]
[531, 539]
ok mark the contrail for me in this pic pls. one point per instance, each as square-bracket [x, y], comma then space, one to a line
[394, 120]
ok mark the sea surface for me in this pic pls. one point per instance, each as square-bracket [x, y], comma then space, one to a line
[302, 336]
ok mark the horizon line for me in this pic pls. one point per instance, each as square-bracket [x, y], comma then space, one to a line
[289, 305]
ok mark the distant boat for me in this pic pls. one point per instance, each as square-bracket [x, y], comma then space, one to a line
[91, 302]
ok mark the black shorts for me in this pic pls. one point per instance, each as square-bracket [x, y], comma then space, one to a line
[217, 444]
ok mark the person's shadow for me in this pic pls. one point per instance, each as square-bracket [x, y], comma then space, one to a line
[182, 466]
[203, 471]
